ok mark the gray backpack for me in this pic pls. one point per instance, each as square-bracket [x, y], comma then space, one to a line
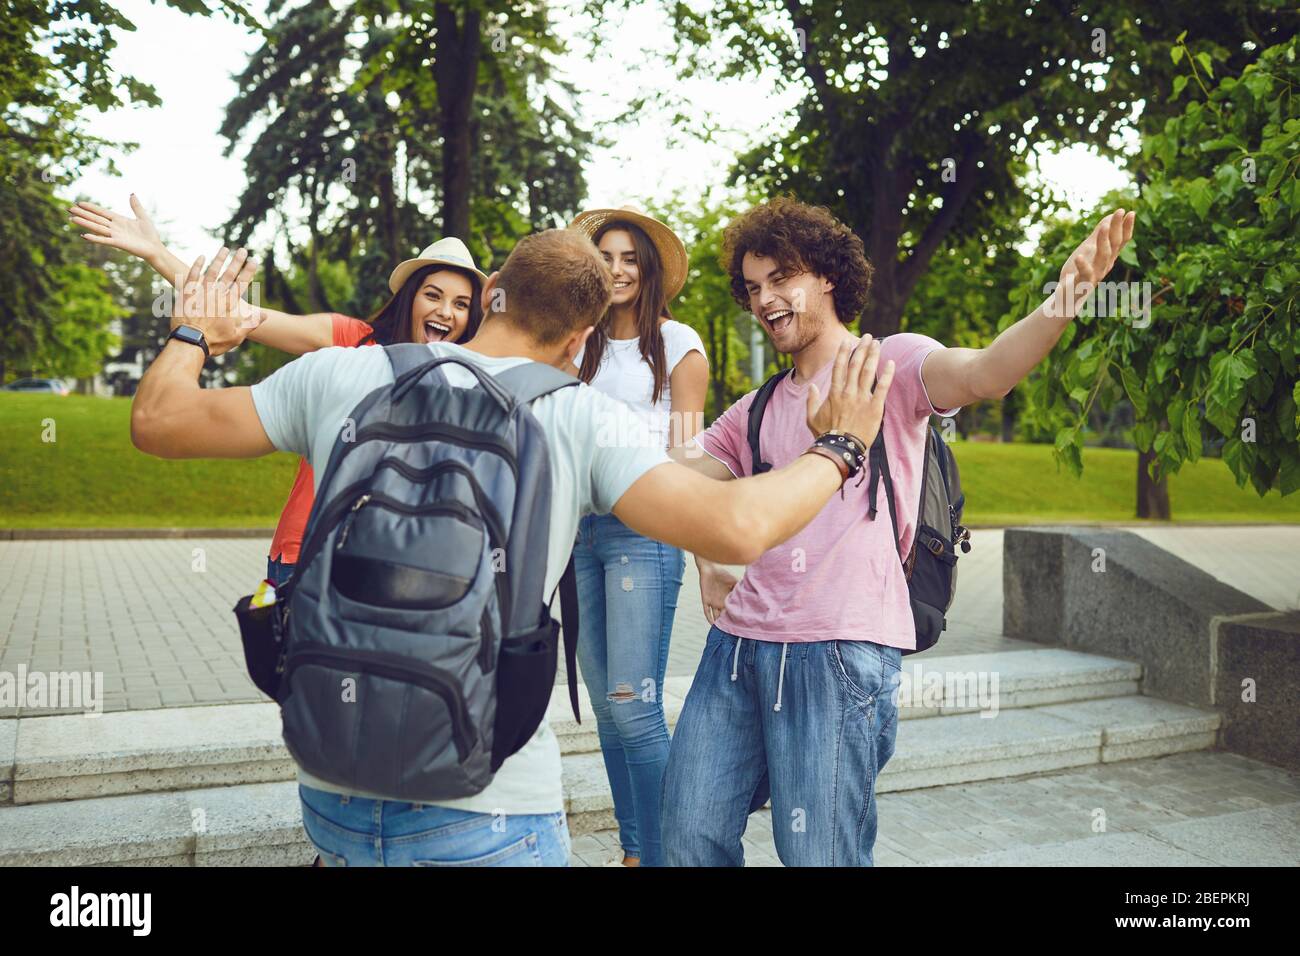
[931, 567]
[417, 651]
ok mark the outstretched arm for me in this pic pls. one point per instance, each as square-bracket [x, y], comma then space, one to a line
[734, 522]
[295, 334]
[955, 377]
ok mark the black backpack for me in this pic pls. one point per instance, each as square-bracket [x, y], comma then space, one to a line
[931, 570]
[413, 648]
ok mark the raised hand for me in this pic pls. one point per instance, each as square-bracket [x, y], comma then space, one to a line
[213, 301]
[137, 236]
[1090, 263]
[853, 405]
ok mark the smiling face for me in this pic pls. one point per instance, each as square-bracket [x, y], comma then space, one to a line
[792, 306]
[619, 252]
[441, 307]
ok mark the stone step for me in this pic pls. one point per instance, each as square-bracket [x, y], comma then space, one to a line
[930, 687]
[74, 757]
[251, 825]
[967, 747]
[261, 823]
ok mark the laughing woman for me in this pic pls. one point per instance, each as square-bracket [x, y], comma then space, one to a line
[435, 298]
[628, 584]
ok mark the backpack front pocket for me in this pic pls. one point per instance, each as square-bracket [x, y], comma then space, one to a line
[440, 548]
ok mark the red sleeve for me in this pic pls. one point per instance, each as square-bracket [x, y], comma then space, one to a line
[727, 439]
[349, 331]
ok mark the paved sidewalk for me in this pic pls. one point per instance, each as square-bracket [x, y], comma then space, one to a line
[1195, 809]
[154, 615]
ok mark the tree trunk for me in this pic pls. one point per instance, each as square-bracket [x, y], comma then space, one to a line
[1009, 417]
[456, 72]
[1152, 496]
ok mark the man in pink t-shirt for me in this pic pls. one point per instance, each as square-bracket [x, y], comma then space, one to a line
[793, 694]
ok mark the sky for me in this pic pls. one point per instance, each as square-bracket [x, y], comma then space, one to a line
[180, 172]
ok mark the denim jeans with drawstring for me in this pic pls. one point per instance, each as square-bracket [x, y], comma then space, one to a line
[815, 722]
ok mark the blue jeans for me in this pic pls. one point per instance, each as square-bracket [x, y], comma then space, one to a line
[627, 593]
[277, 572]
[356, 831]
[814, 721]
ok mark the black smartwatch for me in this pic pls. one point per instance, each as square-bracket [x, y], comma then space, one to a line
[188, 333]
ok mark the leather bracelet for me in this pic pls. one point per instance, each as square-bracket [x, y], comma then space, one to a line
[850, 450]
[860, 447]
[822, 452]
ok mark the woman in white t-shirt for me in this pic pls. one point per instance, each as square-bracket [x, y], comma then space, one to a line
[627, 583]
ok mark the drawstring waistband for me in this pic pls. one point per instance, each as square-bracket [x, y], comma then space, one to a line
[780, 681]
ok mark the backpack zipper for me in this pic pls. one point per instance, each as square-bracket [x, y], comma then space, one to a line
[396, 668]
[464, 437]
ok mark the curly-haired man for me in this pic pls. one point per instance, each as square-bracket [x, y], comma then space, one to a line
[793, 693]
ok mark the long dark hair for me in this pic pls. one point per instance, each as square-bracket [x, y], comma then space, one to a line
[651, 306]
[391, 322]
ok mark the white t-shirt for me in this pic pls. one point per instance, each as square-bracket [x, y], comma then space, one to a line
[303, 407]
[625, 375]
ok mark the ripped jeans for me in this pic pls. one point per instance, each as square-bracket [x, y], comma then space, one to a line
[627, 593]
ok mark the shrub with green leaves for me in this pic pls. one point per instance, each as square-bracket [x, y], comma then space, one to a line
[1218, 241]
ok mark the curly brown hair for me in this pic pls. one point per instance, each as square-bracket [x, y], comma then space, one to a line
[804, 237]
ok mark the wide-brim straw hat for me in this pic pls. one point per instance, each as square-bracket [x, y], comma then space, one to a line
[445, 252]
[672, 253]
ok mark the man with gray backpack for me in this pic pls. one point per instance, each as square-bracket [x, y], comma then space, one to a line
[794, 696]
[413, 653]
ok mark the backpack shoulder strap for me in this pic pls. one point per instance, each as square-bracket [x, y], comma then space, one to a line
[756, 410]
[406, 356]
[531, 380]
[527, 383]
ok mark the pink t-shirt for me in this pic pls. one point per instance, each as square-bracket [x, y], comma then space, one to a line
[840, 578]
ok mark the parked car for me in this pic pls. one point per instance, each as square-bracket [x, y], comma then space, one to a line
[51, 385]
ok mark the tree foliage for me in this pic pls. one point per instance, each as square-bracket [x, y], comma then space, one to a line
[1215, 250]
[918, 118]
[374, 127]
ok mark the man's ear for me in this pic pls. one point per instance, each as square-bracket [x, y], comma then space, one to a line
[486, 296]
[576, 341]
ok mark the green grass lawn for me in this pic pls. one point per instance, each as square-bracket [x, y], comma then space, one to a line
[91, 477]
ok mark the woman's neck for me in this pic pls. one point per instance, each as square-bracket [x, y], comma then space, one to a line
[622, 323]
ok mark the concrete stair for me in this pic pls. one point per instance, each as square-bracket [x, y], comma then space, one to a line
[215, 785]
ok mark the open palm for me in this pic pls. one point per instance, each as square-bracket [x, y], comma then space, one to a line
[137, 236]
[1091, 262]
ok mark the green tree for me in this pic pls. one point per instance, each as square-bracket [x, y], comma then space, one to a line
[365, 116]
[918, 117]
[55, 67]
[1218, 218]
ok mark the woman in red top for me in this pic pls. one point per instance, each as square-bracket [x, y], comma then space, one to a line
[435, 298]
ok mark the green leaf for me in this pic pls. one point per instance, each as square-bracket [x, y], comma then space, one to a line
[1234, 456]
[1176, 54]
[1289, 476]
[1192, 432]
[1204, 59]
[1143, 434]
[1180, 83]
[1133, 388]
[1068, 450]
[1200, 196]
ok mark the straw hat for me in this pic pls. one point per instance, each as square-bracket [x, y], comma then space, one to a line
[672, 253]
[445, 252]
